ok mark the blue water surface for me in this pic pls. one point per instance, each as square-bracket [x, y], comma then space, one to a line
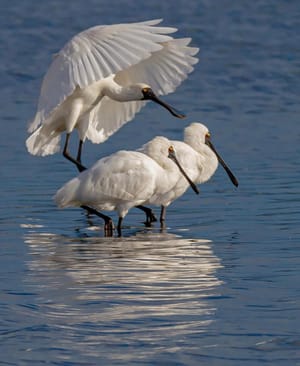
[220, 286]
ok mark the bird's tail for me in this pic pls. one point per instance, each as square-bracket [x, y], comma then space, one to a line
[33, 125]
[66, 195]
[42, 143]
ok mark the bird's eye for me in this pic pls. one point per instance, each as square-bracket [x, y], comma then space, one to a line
[171, 149]
[207, 135]
[145, 90]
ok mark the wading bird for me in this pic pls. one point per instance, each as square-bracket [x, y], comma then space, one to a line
[101, 78]
[199, 158]
[123, 180]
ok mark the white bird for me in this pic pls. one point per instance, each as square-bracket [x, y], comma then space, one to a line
[123, 180]
[102, 77]
[199, 158]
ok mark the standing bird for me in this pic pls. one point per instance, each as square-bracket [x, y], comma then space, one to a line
[101, 78]
[200, 160]
[123, 180]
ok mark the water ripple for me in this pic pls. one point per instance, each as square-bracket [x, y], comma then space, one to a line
[151, 289]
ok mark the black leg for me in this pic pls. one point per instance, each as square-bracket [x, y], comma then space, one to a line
[162, 218]
[81, 168]
[108, 224]
[150, 217]
[66, 154]
[119, 229]
[79, 151]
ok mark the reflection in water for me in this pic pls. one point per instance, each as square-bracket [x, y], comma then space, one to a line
[150, 289]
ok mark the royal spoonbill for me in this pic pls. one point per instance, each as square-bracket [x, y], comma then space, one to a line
[123, 180]
[199, 158]
[102, 77]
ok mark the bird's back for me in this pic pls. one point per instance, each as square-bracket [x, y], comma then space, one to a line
[124, 178]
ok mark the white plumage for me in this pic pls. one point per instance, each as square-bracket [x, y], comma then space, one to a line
[204, 161]
[102, 77]
[123, 180]
[199, 158]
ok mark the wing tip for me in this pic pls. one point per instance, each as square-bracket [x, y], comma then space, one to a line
[151, 21]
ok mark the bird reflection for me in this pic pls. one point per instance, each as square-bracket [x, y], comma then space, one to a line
[148, 286]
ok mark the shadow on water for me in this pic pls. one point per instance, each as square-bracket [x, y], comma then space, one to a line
[152, 292]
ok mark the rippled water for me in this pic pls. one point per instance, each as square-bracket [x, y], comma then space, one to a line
[220, 285]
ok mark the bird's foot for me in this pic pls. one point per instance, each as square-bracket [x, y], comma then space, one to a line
[150, 218]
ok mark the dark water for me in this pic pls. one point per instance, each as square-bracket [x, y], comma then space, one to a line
[221, 285]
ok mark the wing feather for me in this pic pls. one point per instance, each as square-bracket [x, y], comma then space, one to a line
[164, 70]
[125, 175]
[96, 53]
[109, 116]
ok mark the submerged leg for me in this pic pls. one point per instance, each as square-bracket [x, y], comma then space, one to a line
[108, 224]
[66, 154]
[162, 218]
[150, 217]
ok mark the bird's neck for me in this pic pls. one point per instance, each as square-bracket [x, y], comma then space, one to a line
[210, 163]
[116, 91]
[207, 161]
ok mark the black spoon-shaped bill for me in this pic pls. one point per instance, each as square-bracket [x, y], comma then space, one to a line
[172, 156]
[221, 161]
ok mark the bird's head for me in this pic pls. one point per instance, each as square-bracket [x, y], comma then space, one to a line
[197, 135]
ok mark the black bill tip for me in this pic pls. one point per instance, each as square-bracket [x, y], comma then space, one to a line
[222, 162]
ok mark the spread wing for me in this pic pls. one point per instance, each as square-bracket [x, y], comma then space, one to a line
[96, 53]
[163, 70]
[108, 116]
